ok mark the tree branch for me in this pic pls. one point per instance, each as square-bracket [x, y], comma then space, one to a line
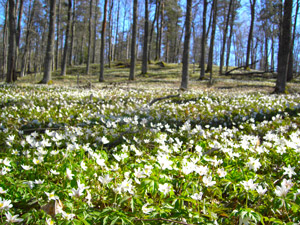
[158, 219]
[163, 98]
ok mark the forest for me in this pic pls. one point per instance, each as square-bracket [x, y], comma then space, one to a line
[154, 112]
[45, 36]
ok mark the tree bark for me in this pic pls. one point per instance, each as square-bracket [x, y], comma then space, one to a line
[4, 53]
[230, 35]
[225, 37]
[133, 42]
[145, 49]
[50, 44]
[203, 41]
[28, 31]
[252, 5]
[72, 33]
[64, 59]
[152, 29]
[212, 38]
[101, 78]
[186, 47]
[90, 38]
[284, 47]
[12, 42]
[291, 57]
[57, 35]
[95, 32]
[110, 24]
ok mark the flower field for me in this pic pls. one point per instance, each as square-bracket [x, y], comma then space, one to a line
[114, 156]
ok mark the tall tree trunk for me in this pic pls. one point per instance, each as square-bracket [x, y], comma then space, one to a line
[145, 50]
[252, 5]
[64, 59]
[117, 33]
[101, 78]
[12, 42]
[225, 37]
[90, 38]
[133, 42]
[50, 44]
[72, 33]
[95, 32]
[4, 53]
[152, 29]
[18, 34]
[110, 33]
[212, 38]
[284, 47]
[203, 41]
[291, 57]
[186, 46]
[28, 31]
[157, 31]
[161, 29]
[230, 35]
[266, 64]
[57, 35]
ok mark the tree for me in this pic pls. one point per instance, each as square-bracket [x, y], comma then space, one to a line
[101, 78]
[186, 47]
[133, 42]
[212, 38]
[50, 44]
[145, 49]
[90, 38]
[72, 32]
[203, 41]
[252, 6]
[11, 62]
[225, 37]
[4, 53]
[284, 47]
[57, 34]
[64, 59]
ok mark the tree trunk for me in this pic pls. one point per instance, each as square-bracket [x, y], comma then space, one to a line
[64, 59]
[252, 5]
[230, 35]
[157, 31]
[101, 78]
[291, 57]
[117, 33]
[152, 29]
[4, 53]
[95, 32]
[203, 41]
[57, 35]
[28, 31]
[284, 47]
[90, 38]
[186, 47]
[72, 33]
[50, 44]
[161, 29]
[266, 64]
[225, 37]
[12, 42]
[133, 42]
[145, 50]
[212, 38]
[110, 24]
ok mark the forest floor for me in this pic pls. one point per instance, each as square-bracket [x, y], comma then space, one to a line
[163, 75]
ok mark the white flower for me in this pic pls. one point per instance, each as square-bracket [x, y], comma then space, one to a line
[12, 219]
[100, 162]
[253, 164]
[197, 196]
[147, 210]
[89, 198]
[67, 216]
[289, 171]
[26, 167]
[54, 172]
[5, 204]
[148, 170]
[51, 196]
[36, 161]
[249, 185]
[202, 170]
[29, 183]
[83, 166]
[260, 190]
[49, 221]
[105, 180]
[69, 174]
[164, 162]
[2, 191]
[221, 172]
[104, 140]
[6, 162]
[208, 181]
[138, 173]
[39, 181]
[164, 188]
[286, 185]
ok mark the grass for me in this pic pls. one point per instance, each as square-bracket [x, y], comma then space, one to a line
[159, 77]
